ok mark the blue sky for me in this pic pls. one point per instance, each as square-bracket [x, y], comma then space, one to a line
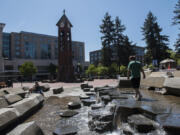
[41, 16]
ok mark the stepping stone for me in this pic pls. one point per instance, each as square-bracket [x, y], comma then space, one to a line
[11, 98]
[68, 113]
[170, 122]
[84, 97]
[92, 90]
[45, 88]
[119, 97]
[106, 98]
[86, 89]
[90, 93]
[58, 90]
[88, 102]
[84, 85]
[25, 88]
[141, 124]
[96, 106]
[66, 130]
[74, 105]
[128, 92]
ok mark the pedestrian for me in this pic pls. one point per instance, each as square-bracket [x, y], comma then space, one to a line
[134, 71]
[36, 89]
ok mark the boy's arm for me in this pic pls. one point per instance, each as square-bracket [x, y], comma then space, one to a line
[142, 70]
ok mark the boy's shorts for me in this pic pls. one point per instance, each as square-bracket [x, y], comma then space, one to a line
[135, 82]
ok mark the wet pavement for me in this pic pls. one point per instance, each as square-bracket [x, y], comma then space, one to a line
[166, 107]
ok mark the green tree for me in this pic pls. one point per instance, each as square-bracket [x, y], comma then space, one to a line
[52, 69]
[92, 70]
[123, 70]
[107, 30]
[127, 50]
[176, 21]
[28, 69]
[113, 69]
[119, 40]
[156, 42]
[102, 70]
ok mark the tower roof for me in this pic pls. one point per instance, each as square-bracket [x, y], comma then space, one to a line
[64, 19]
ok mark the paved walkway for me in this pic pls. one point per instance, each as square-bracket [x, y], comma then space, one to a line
[68, 91]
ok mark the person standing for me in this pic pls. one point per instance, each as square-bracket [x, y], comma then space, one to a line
[134, 72]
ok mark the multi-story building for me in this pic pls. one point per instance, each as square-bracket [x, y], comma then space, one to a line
[40, 49]
[95, 56]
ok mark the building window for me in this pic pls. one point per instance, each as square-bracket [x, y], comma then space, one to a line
[30, 52]
[56, 51]
[45, 51]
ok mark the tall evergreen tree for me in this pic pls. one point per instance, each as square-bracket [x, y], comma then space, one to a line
[156, 43]
[176, 21]
[107, 30]
[119, 40]
[128, 50]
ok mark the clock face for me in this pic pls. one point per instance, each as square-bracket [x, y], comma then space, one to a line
[62, 25]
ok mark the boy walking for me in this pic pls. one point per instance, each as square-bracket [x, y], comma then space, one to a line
[135, 69]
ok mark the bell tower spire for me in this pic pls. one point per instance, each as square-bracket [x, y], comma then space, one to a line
[65, 64]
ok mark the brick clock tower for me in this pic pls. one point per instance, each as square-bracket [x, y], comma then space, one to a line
[65, 64]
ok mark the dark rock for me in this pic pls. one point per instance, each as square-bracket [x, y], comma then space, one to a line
[151, 88]
[106, 99]
[84, 85]
[105, 92]
[141, 123]
[45, 88]
[86, 89]
[127, 92]
[29, 128]
[90, 93]
[90, 86]
[68, 113]
[119, 97]
[74, 105]
[124, 83]
[11, 98]
[88, 102]
[92, 90]
[58, 90]
[25, 88]
[96, 106]
[84, 97]
[126, 132]
[66, 130]
[100, 126]
[170, 122]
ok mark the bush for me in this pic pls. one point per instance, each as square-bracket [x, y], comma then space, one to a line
[101, 70]
[151, 67]
[123, 70]
[113, 69]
